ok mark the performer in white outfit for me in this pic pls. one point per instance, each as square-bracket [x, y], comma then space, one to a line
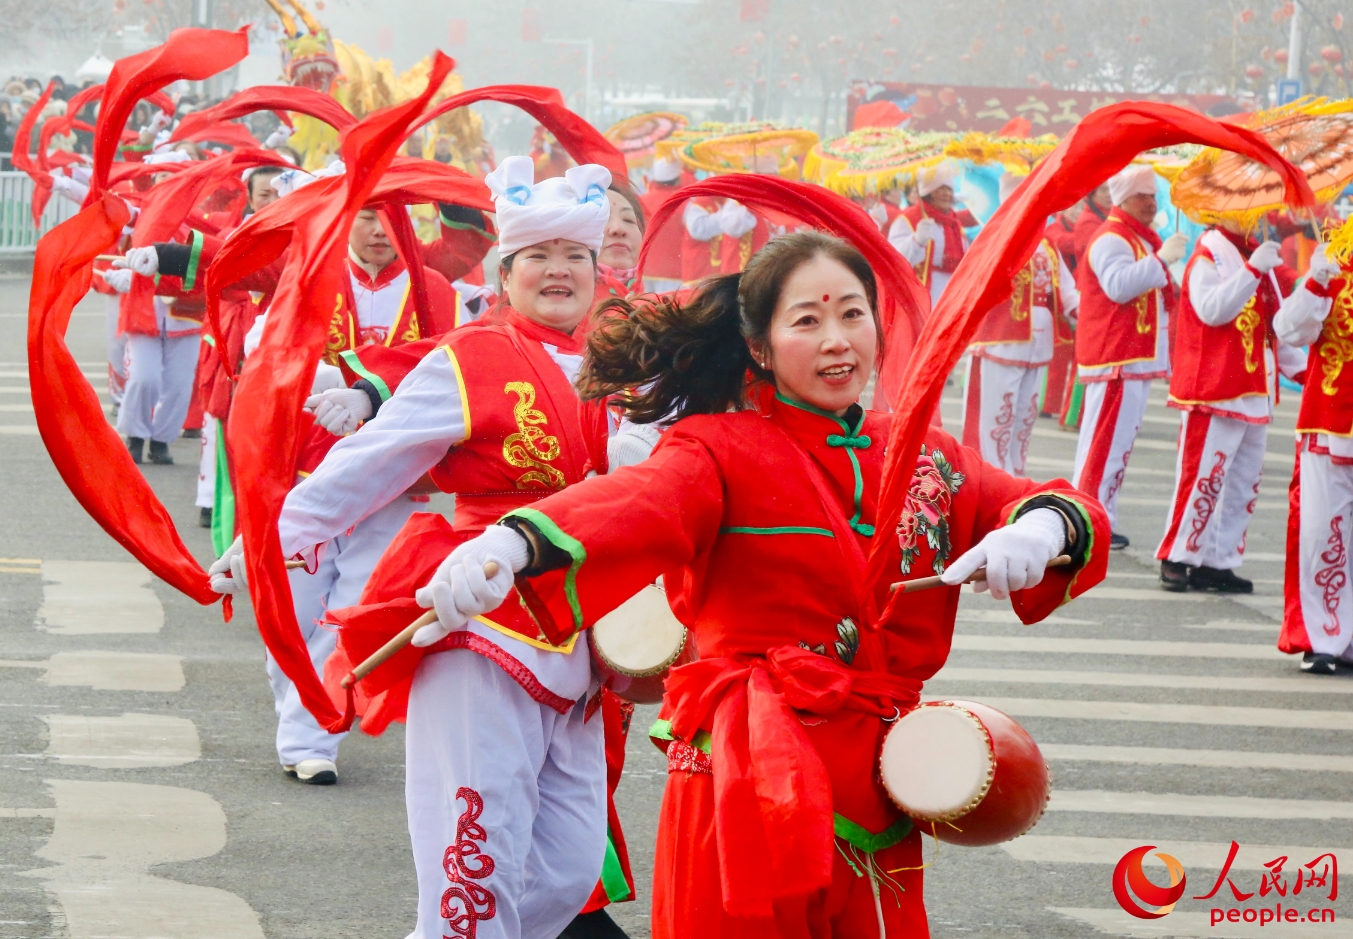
[1318, 587]
[1122, 333]
[930, 234]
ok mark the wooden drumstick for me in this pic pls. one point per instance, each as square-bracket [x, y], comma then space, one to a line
[402, 639]
[109, 257]
[925, 583]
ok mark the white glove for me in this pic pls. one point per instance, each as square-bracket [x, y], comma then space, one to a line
[326, 376]
[144, 261]
[119, 280]
[459, 590]
[926, 230]
[1015, 556]
[631, 445]
[278, 137]
[735, 219]
[1174, 247]
[227, 574]
[1322, 268]
[1266, 257]
[73, 190]
[339, 410]
[158, 123]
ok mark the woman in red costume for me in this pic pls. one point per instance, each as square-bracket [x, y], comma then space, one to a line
[757, 507]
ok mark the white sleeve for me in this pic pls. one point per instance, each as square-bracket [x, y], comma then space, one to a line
[367, 470]
[1301, 317]
[1066, 286]
[255, 334]
[1216, 301]
[735, 220]
[1121, 275]
[900, 237]
[1291, 361]
[701, 225]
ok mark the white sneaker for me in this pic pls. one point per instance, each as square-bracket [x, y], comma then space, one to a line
[315, 772]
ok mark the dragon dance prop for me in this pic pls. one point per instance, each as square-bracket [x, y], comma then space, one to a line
[638, 137]
[766, 148]
[873, 159]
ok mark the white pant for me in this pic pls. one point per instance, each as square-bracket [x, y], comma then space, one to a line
[1003, 399]
[347, 563]
[1216, 485]
[506, 800]
[1322, 565]
[1110, 418]
[206, 463]
[117, 348]
[160, 373]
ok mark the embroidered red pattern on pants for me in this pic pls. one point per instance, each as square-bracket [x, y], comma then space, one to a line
[1026, 429]
[465, 863]
[1209, 488]
[1001, 432]
[1333, 577]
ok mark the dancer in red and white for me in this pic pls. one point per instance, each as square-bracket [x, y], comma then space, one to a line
[1225, 375]
[930, 233]
[1318, 585]
[1009, 360]
[1122, 333]
[720, 236]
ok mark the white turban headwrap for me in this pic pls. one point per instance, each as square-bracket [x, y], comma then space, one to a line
[933, 177]
[666, 170]
[573, 207]
[1135, 180]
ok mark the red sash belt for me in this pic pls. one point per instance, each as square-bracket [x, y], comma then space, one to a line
[772, 794]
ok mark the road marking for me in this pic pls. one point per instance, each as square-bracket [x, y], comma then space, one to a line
[1019, 676]
[1230, 759]
[1153, 594]
[132, 740]
[1208, 714]
[1209, 855]
[1195, 650]
[1173, 803]
[90, 597]
[19, 430]
[1009, 616]
[1119, 923]
[27, 813]
[109, 671]
[106, 839]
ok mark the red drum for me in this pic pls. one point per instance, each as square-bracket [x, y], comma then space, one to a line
[969, 769]
[637, 643]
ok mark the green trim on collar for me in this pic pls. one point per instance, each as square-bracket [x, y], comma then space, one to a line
[784, 530]
[353, 362]
[194, 256]
[566, 543]
[851, 440]
[867, 841]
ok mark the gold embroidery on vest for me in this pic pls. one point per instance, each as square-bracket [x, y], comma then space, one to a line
[529, 448]
[335, 342]
[716, 251]
[745, 249]
[1336, 339]
[1019, 312]
[1143, 303]
[412, 333]
[1247, 322]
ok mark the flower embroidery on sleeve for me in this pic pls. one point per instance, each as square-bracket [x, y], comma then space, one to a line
[926, 509]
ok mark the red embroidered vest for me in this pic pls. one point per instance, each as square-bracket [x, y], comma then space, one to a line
[955, 243]
[1327, 399]
[1220, 363]
[345, 333]
[1037, 284]
[1109, 333]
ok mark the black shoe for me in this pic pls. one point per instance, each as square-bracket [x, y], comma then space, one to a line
[193, 433]
[159, 453]
[594, 925]
[1118, 542]
[1209, 578]
[135, 446]
[1318, 663]
[1174, 576]
[204, 519]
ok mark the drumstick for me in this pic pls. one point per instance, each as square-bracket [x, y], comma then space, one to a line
[925, 583]
[402, 639]
[109, 257]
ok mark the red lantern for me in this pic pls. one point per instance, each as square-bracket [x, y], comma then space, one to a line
[1246, 16]
[1280, 56]
[1145, 21]
[894, 20]
[1266, 53]
[889, 53]
[965, 58]
[1049, 57]
[1338, 21]
[1253, 72]
[1031, 79]
[1028, 31]
[1071, 64]
[1331, 54]
[1315, 68]
[1061, 49]
[1339, 70]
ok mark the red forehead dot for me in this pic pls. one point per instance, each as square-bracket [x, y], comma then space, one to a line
[825, 298]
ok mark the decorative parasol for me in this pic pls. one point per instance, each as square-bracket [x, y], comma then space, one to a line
[874, 159]
[1314, 134]
[1019, 154]
[761, 147]
[637, 137]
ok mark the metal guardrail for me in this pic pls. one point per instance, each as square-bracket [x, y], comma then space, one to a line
[18, 235]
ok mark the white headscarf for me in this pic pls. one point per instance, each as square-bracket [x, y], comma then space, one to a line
[1135, 180]
[931, 178]
[573, 206]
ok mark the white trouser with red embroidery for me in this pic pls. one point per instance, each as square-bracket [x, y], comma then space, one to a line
[1326, 518]
[344, 568]
[1002, 400]
[1216, 486]
[506, 799]
[1110, 418]
[117, 348]
[206, 463]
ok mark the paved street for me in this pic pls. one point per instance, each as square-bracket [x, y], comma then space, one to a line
[140, 795]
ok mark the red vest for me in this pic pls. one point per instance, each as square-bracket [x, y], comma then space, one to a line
[1109, 333]
[1327, 399]
[955, 243]
[721, 254]
[343, 328]
[1220, 363]
[1037, 284]
[664, 258]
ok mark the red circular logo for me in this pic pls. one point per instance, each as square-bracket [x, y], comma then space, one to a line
[1129, 874]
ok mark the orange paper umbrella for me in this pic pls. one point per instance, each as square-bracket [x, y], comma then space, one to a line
[756, 148]
[637, 137]
[1315, 135]
[1018, 154]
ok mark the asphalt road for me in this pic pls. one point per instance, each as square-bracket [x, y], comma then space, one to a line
[140, 795]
